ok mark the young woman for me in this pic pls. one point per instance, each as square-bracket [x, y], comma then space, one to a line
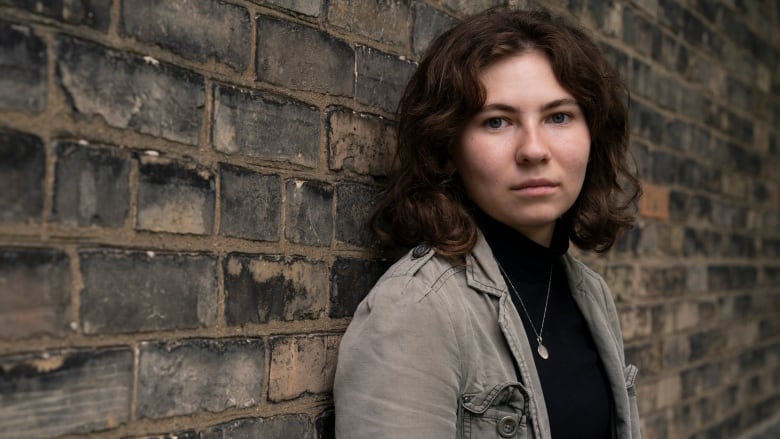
[512, 137]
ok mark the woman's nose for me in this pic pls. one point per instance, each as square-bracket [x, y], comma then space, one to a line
[531, 146]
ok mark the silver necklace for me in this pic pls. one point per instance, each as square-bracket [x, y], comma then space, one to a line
[540, 348]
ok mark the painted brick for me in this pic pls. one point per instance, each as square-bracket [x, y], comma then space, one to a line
[308, 212]
[34, 292]
[282, 426]
[301, 365]
[199, 30]
[250, 204]
[360, 143]
[175, 197]
[22, 69]
[199, 375]
[387, 21]
[131, 92]
[262, 288]
[350, 280]
[322, 63]
[381, 78]
[428, 23]
[95, 14]
[266, 127]
[22, 167]
[311, 8]
[134, 291]
[92, 186]
[354, 204]
[62, 392]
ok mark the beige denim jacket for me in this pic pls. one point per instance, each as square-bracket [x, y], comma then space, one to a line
[429, 354]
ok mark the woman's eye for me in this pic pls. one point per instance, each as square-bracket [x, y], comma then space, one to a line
[559, 118]
[494, 123]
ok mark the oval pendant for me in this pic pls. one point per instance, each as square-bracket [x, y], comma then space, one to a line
[543, 352]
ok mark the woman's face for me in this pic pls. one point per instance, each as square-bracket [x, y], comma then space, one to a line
[522, 157]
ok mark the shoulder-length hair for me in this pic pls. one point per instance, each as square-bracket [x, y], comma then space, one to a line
[425, 201]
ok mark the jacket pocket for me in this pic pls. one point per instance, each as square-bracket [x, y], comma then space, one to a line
[630, 373]
[500, 412]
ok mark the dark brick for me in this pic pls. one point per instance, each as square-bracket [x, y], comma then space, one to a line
[326, 425]
[92, 186]
[731, 277]
[354, 204]
[706, 343]
[700, 379]
[727, 214]
[281, 426]
[199, 30]
[740, 246]
[617, 58]
[308, 212]
[752, 361]
[133, 291]
[664, 281]
[683, 136]
[646, 356]
[95, 14]
[22, 69]
[695, 175]
[768, 329]
[381, 78]
[428, 23]
[198, 375]
[22, 168]
[312, 8]
[697, 34]
[350, 280]
[646, 122]
[263, 288]
[666, 167]
[131, 92]
[34, 292]
[321, 62]
[360, 143]
[61, 392]
[467, 7]
[266, 127]
[250, 204]
[701, 242]
[387, 21]
[675, 351]
[175, 197]
[734, 156]
[640, 34]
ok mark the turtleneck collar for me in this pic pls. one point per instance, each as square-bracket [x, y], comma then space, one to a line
[514, 251]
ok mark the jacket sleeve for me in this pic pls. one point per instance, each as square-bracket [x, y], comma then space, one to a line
[398, 370]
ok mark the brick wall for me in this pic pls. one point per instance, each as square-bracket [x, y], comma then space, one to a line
[185, 186]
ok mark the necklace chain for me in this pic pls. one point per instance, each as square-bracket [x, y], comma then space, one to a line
[541, 349]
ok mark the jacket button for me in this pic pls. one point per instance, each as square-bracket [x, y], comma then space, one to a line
[420, 251]
[507, 426]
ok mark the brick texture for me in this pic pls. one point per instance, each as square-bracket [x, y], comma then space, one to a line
[185, 188]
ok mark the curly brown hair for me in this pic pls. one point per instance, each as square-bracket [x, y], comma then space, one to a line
[425, 201]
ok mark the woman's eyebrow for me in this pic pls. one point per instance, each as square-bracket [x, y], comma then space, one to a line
[558, 103]
[500, 106]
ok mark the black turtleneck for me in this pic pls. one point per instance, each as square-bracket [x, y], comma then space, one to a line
[575, 386]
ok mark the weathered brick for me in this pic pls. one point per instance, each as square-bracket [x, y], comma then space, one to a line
[250, 204]
[636, 322]
[301, 365]
[664, 281]
[640, 33]
[134, 291]
[706, 343]
[428, 23]
[311, 8]
[381, 78]
[360, 143]
[22, 69]
[308, 214]
[198, 375]
[675, 351]
[92, 186]
[131, 92]
[647, 357]
[61, 392]
[646, 122]
[321, 62]
[730, 277]
[621, 281]
[700, 379]
[654, 202]
[34, 292]
[95, 14]
[701, 242]
[388, 21]
[350, 280]
[470, 6]
[264, 126]
[22, 168]
[175, 197]
[740, 246]
[262, 288]
[281, 426]
[354, 204]
[199, 30]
